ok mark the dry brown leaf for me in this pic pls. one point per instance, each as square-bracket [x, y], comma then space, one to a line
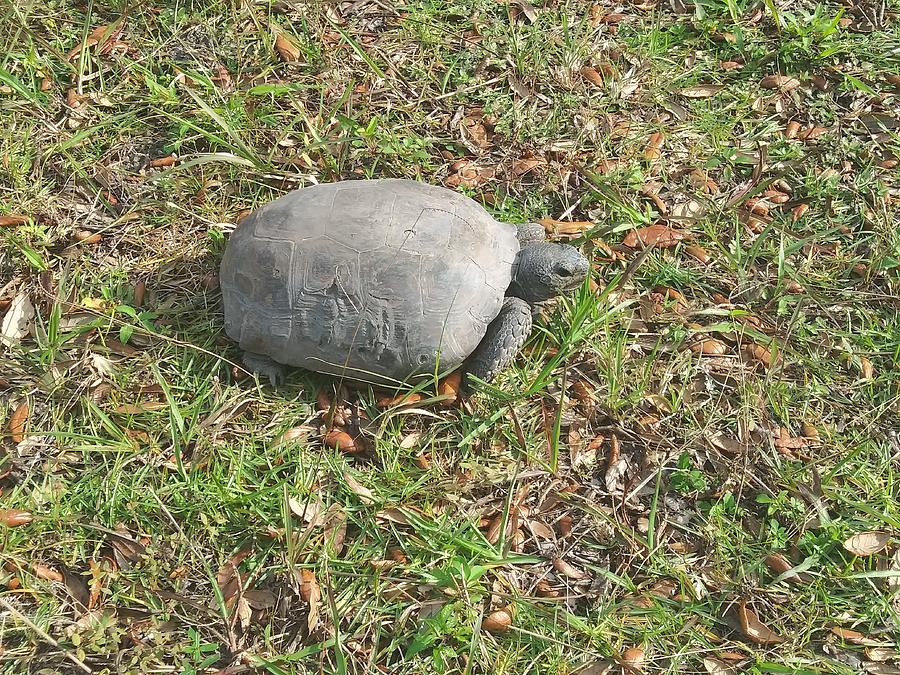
[396, 554]
[382, 565]
[798, 211]
[17, 320]
[881, 669]
[494, 527]
[340, 440]
[755, 629]
[866, 368]
[613, 17]
[15, 517]
[698, 252]
[607, 166]
[525, 8]
[497, 622]
[717, 667]
[607, 70]
[73, 99]
[18, 422]
[782, 82]
[662, 293]
[777, 196]
[13, 219]
[726, 443]
[471, 175]
[126, 547]
[323, 400]
[783, 440]
[311, 594]
[701, 90]
[811, 133]
[96, 586]
[450, 387]
[520, 167]
[99, 33]
[633, 657]
[87, 237]
[660, 235]
[652, 193]
[309, 512]
[140, 289]
[540, 530]
[78, 589]
[709, 347]
[162, 162]
[477, 132]
[592, 76]
[47, 573]
[228, 578]
[286, 47]
[881, 653]
[654, 146]
[867, 543]
[757, 206]
[400, 399]
[295, 434]
[758, 353]
[582, 392]
[782, 185]
[545, 590]
[780, 565]
[819, 82]
[394, 515]
[854, 636]
[566, 569]
[138, 408]
[565, 227]
[810, 431]
[260, 599]
[756, 225]
[366, 496]
[599, 667]
[242, 611]
[335, 528]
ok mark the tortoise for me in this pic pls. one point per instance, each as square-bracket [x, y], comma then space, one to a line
[385, 281]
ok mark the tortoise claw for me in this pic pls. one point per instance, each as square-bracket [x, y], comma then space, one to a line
[263, 366]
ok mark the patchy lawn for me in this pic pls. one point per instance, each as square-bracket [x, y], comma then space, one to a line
[692, 467]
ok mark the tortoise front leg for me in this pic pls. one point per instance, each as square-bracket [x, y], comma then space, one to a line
[263, 366]
[530, 233]
[504, 338]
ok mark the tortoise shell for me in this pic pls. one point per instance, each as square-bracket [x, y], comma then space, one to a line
[375, 280]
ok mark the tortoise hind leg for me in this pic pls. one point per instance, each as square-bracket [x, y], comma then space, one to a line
[504, 338]
[263, 366]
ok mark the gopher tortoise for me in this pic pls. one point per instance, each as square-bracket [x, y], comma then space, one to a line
[384, 281]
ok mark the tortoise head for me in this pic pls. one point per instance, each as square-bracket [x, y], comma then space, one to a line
[545, 270]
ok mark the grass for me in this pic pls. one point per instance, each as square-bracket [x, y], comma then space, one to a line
[616, 496]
